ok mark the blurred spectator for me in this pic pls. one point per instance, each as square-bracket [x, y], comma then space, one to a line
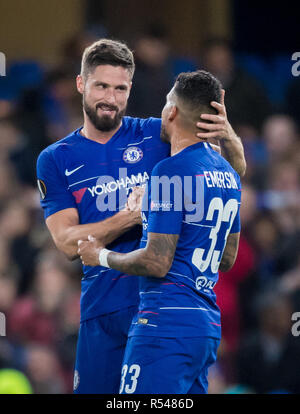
[43, 324]
[249, 206]
[279, 142]
[246, 101]
[268, 359]
[265, 236]
[9, 184]
[153, 74]
[8, 96]
[293, 100]
[227, 288]
[15, 149]
[62, 104]
[73, 47]
[5, 259]
[8, 291]
[36, 316]
[216, 380]
[9, 137]
[31, 119]
[227, 291]
[15, 228]
[156, 68]
[44, 371]
[67, 342]
[280, 135]
[15, 221]
[290, 281]
[6, 108]
[283, 194]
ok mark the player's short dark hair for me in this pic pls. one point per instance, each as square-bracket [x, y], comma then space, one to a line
[107, 52]
[198, 89]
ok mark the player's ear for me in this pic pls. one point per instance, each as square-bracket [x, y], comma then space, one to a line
[173, 113]
[80, 84]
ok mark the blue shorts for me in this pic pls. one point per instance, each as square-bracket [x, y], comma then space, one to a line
[100, 351]
[155, 365]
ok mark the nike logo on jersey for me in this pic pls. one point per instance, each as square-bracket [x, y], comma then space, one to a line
[67, 172]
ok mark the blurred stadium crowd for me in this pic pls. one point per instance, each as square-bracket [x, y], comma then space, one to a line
[40, 289]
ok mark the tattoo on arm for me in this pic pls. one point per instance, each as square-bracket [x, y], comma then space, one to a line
[234, 154]
[154, 260]
[230, 252]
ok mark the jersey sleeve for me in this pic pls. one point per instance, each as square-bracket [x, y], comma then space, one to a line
[152, 128]
[165, 210]
[236, 225]
[54, 194]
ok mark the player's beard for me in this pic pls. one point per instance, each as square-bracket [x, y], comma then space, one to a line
[164, 136]
[103, 123]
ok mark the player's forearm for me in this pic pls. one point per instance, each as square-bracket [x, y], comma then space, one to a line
[230, 252]
[105, 231]
[154, 260]
[233, 151]
[137, 263]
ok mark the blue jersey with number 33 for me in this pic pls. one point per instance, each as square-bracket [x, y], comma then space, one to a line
[195, 194]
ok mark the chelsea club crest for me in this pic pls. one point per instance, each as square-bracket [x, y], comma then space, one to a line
[132, 155]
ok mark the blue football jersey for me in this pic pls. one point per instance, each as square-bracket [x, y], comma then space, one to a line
[195, 194]
[95, 178]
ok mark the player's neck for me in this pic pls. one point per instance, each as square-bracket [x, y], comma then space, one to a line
[180, 141]
[89, 131]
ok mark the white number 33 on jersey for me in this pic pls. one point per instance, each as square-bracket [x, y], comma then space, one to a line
[225, 213]
[131, 382]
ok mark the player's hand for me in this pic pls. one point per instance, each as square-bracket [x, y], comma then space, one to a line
[218, 126]
[134, 202]
[89, 250]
